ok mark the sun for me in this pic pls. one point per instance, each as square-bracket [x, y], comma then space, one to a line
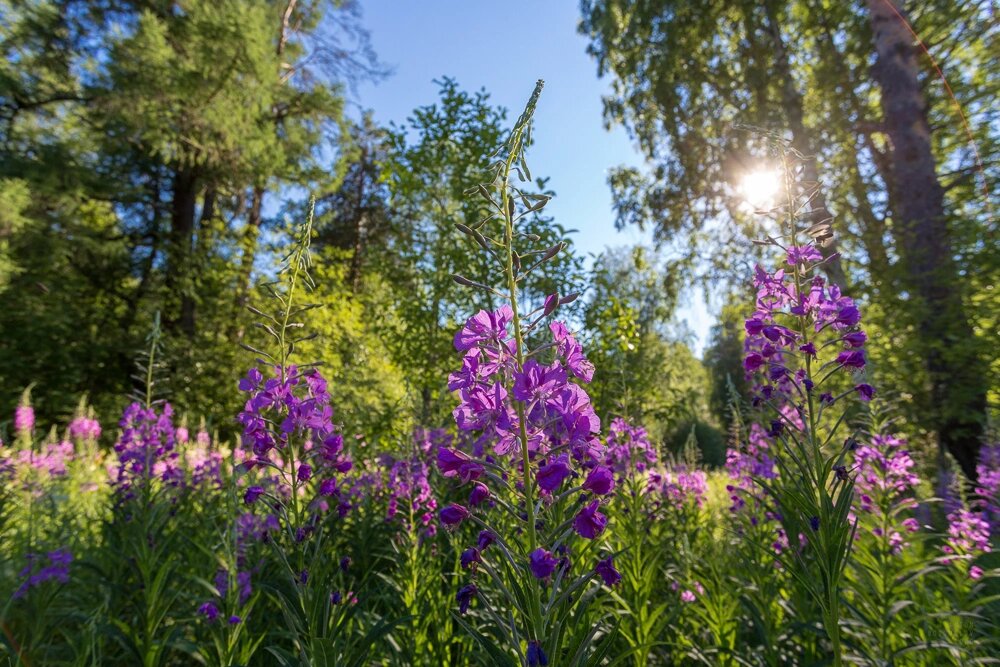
[760, 187]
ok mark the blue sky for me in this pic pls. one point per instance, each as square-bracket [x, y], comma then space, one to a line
[504, 47]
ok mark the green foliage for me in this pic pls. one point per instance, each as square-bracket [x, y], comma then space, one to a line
[685, 78]
[370, 390]
[138, 145]
[643, 371]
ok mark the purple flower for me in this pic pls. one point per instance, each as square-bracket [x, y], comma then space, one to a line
[235, 620]
[464, 597]
[536, 382]
[304, 472]
[752, 362]
[542, 563]
[209, 611]
[251, 381]
[85, 428]
[779, 335]
[470, 556]
[453, 463]
[968, 533]
[590, 523]
[814, 522]
[252, 494]
[24, 419]
[852, 358]
[536, 656]
[848, 316]
[56, 570]
[688, 597]
[803, 255]
[551, 475]
[865, 391]
[754, 326]
[681, 487]
[855, 338]
[453, 514]
[606, 570]
[571, 352]
[629, 449]
[600, 480]
[146, 450]
[486, 538]
[479, 494]
[484, 327]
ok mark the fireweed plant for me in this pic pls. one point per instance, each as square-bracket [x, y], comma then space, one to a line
[756, 536]
[292, 462]
[535, 516]
[803, 337]
[888, 569]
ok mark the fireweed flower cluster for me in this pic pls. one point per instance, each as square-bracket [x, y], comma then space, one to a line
[745, 464]
[288, 426]
[146, 451]
[30, 468]
[681, 488]
[85, 427]
[540, 403]
[884, 488]
[988, 486]
[411, 501]
[629, 450]
[541, 482]
[292, 465]
[24, 417]
[204, 465]
[772, 348]
[968, 537]
[54, 567]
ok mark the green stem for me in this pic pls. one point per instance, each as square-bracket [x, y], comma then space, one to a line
[507, 206]
[518, 334]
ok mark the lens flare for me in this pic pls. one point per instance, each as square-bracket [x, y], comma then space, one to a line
[761, 187]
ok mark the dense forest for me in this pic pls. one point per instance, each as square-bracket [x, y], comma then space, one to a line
[193, 189]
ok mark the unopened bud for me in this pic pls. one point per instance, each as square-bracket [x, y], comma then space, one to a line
[551, 303]
[552, 252]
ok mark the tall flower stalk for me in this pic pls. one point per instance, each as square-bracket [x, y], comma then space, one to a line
[293, 460]
[544, 478]
[806, 349]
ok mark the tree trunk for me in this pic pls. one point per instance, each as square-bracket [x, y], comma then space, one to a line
[182, 215]
[958, 392]
[802, 141]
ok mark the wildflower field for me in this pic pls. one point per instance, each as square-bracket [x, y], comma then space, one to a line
[400, 420]
[520, 532]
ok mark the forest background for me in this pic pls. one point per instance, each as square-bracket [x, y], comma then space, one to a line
[155, 155]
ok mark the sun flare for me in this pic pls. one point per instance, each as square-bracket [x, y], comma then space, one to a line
[760, 187]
